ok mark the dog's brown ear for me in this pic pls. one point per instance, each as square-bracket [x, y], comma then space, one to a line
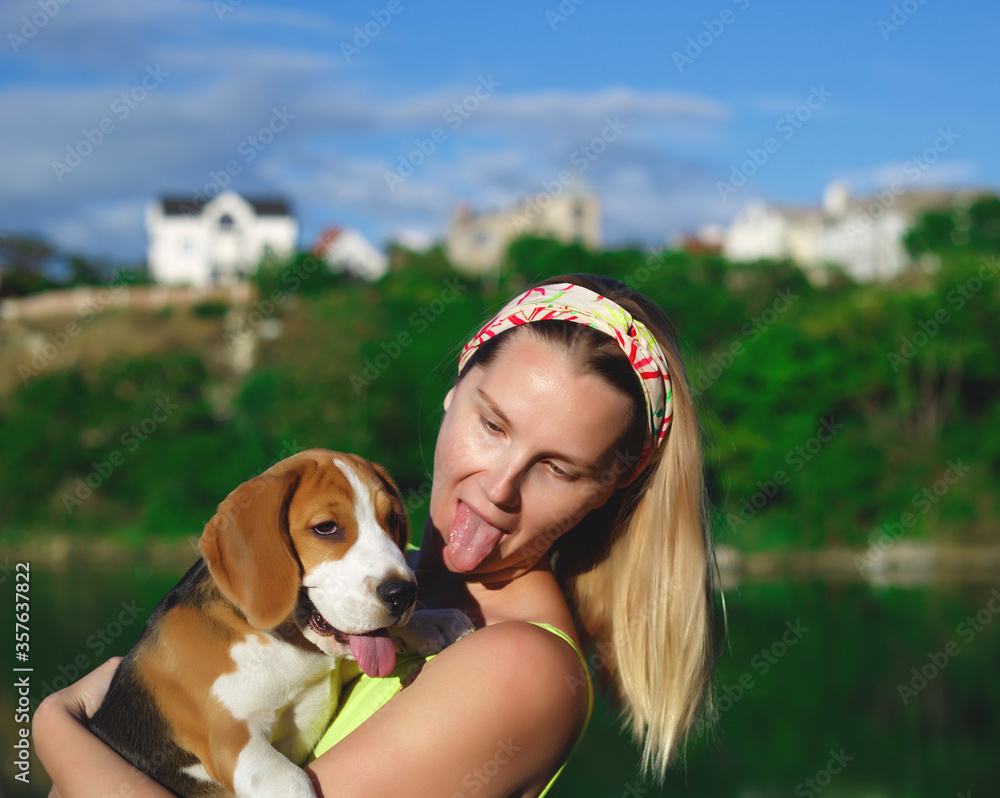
[404, 521]
[248, 549]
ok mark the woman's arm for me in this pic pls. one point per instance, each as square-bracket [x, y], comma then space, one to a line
[493, 715]
[78, 762]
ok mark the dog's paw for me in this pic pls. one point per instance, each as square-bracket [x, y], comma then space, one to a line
[262, 772]
[430, 631]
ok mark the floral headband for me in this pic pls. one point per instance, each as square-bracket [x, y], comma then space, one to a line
[569, 302]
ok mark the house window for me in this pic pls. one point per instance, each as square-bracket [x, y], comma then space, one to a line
[482, 239]
[578, 209]
[226, 222]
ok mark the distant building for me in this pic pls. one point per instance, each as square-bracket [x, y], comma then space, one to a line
[348, 250]
[216, 242]
[478, 242]
[706, 241]
[863, 235]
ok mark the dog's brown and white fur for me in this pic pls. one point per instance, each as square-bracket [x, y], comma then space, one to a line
[229, 684]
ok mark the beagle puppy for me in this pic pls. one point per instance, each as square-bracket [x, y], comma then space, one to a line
[229, 687]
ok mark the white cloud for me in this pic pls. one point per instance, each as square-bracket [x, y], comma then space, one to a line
[344, 133]
[912, 173]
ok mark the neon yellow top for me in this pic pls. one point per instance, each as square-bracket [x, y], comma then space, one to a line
[362, 695]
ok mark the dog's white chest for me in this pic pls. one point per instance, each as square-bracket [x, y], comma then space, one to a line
[270, 676]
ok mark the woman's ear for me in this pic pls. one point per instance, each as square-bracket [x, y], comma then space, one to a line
[448, 398]
[625, 481]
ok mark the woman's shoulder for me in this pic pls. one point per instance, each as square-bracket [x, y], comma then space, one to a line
[511, 686]
[537, 664]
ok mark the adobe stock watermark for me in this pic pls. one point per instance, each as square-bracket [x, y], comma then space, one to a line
[365, 35]
[267, 307]
[455, 117]
[248, 149]
[54, 343]
[247, 325]
[752, 332]
[562, 12]
[130, 440]
[957, 297]
[475, 780]
[912, 170]
[786, 127]
[30, 26]
[937, 661]
[243, 499]
[121, 109]
[580, 159]
[962, 293]
[225, 7]
[796, 458]
[6, 569]
[808, 788]
[711, 30]
[912, 344]
[419, 320]
[901, 14]
[730, 694]
[633, 791]
[653, 260]
[624, 463]
[99, 643]
[883, 538]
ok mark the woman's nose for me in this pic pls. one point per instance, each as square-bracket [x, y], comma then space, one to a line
[501, 484]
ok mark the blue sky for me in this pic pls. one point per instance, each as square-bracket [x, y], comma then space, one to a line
[677, 95]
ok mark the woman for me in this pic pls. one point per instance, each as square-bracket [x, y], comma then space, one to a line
[568, 463]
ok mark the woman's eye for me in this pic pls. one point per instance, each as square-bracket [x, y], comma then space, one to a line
[326, 528]
[491, 426]
[560, 473]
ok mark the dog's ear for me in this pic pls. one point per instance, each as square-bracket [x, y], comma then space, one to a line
[404, 521]
[249, 552]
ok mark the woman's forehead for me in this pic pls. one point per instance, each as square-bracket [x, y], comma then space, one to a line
[537, 385]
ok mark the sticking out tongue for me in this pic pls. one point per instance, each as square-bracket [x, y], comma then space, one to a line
[470, 538]
[374, 652]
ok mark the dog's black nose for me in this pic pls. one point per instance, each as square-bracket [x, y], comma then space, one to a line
[398, 594]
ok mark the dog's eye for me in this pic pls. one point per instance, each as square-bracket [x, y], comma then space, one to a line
[326, 528]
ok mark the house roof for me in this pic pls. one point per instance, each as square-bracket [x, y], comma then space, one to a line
[185, 206]
[325, 240]
[914, 202]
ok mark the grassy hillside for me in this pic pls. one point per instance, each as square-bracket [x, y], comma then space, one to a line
[833, 415]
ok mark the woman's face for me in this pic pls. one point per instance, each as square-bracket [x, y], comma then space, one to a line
[527, 447]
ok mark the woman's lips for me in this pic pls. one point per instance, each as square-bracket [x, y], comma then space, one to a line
[470, 538]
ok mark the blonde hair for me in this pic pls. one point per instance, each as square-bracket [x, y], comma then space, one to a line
[639, 571]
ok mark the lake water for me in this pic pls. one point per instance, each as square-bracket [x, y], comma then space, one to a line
[829, 689]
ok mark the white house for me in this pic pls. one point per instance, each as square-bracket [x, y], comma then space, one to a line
[479, 242]
[216, 242]
[345, 249]
[864, 235]
[771, 231]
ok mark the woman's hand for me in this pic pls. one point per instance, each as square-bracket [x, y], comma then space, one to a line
[82, 698]
[77, 761]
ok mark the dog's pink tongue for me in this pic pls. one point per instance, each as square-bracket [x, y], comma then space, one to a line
[470, 538]
[374, 652]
